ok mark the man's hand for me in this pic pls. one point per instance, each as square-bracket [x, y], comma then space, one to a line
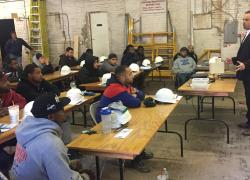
[229, 61]
[241, 66]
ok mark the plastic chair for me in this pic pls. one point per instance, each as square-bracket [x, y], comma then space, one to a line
[92, 110]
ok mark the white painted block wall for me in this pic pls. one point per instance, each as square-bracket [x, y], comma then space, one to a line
[77, 11]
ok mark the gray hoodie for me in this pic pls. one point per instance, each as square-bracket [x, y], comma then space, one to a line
[40, 152]
[184, 65]
[107, 67]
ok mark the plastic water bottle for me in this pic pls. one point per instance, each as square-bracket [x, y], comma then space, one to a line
[106, 120]
[163, 175]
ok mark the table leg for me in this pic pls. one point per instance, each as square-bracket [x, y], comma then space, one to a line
[84, 115]
[198, 107]
[121, 162]
[73, 117]
[212, 107]
[173, 132]
[97, 168]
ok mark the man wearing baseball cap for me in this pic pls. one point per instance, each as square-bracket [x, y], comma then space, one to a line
[40, 152]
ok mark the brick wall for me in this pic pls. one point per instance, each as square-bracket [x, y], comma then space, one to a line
[77, 13]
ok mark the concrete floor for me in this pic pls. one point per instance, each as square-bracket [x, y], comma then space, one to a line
[206, 154]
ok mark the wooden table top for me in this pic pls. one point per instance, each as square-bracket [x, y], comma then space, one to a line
[56, 76]
[95, 86]
[11, 133]
[145, 123]
[221, 87]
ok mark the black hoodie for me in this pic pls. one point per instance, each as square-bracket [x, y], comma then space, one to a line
[87, 73]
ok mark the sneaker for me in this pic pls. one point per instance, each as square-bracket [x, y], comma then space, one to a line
[146, 155]
[244, 125]
[140, 166]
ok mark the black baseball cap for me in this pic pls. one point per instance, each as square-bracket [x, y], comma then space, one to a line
[38, 55]
[48, 103]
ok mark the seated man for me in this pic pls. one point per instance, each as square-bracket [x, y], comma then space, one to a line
[13, 71]
[86, 54]
[89, 72]
[184, 66]
[32, 83]
[192, 54]
[110, 64]
[8, 97]
[68, 59]
[119, 89]
[40, 152]
[42, 62]
[140, 54]
[130, 56]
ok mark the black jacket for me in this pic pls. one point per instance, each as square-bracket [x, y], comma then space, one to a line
[87, 76]
[243, 56]
[129, 58]
[69, 61]
[15, 46]
[46, 69]
[87, 73]
[30, 91]
[14, 76]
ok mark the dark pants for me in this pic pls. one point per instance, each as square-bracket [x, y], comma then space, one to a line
[6, 159]
[181, 78]
[247, 94]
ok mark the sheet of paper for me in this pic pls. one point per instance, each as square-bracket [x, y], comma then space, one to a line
[123, 133]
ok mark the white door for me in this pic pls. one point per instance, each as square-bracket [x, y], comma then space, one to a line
[100, 33]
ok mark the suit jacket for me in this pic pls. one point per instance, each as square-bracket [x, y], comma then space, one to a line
[243, 56]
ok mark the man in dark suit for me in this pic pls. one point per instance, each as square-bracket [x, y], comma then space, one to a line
[242, 62]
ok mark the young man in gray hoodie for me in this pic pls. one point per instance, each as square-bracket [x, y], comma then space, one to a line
[40, 152]
[184, 66]
[109, 65]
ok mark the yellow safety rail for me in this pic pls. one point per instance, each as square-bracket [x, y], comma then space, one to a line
[208, 52]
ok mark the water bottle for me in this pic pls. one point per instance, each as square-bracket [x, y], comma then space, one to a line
[106, 120]
[163, 175]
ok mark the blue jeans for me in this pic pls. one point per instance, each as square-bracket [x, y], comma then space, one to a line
[181, 78]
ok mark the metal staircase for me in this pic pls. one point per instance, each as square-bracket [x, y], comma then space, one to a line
[155, 44]
[38, 27]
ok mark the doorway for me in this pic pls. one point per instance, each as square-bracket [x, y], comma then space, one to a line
[7, 25]
[100, 33]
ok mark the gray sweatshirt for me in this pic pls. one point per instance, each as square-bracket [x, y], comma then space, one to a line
[107, 67]
[40, 152]
[184, 65]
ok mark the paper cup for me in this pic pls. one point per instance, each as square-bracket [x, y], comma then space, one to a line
[14, 114]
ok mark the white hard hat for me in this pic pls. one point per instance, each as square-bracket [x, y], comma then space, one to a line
[158, 59]
[134, 67]
[165, 95]
[102, 58]
[75, 96]
[65, 70]
[105, 77]
[82, 63]
[27, 109]
[146, 62]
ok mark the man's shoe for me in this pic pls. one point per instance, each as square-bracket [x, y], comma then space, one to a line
[246, 133]
[140, 166]
[146, 155]
[244, 125]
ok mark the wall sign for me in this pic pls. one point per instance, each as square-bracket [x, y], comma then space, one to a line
[153, 6]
